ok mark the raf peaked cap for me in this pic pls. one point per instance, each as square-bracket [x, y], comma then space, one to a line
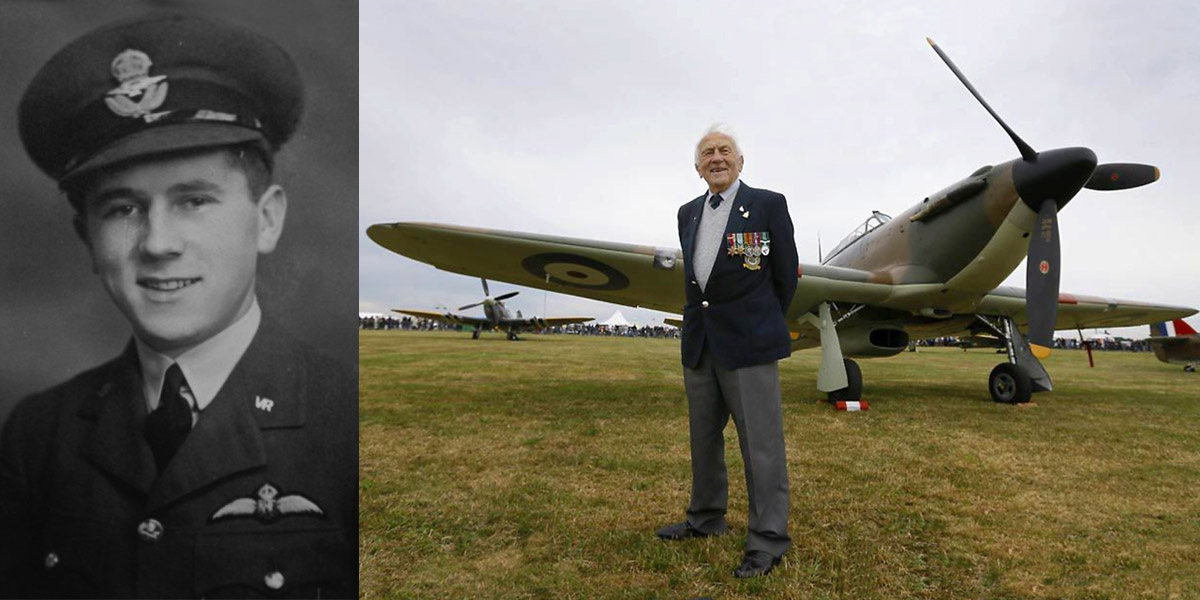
[156, 85]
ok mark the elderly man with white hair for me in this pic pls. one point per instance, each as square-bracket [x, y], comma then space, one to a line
[740, 275]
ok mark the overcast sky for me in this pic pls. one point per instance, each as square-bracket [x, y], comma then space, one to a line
[579, 119]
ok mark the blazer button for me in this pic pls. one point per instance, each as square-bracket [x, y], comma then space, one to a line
[51, 560]
[274, 580]
[704, 304]
[150, 530]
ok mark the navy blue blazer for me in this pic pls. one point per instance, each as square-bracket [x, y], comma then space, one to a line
[78, 485]
[741, 313]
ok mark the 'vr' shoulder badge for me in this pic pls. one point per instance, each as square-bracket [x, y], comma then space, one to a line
[268, 507]
[132, 69]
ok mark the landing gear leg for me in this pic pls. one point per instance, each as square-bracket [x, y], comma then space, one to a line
[1015, 381]
[475, 334]
[839, 377]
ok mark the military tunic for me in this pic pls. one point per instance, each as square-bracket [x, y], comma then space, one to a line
[261, 499]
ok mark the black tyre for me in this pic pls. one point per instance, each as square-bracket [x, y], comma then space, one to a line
[474, 336]
[1010, 384]
[853, 389]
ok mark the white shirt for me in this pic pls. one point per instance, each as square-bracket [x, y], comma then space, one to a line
[710, 234]
[206, 367]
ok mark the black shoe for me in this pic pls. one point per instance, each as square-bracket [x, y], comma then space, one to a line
[755, 563]
[684, 530]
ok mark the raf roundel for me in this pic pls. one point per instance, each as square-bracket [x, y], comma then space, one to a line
[573, 270]
[1044, 267]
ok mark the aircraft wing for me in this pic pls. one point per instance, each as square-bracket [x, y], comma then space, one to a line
[1076, 311]
[650, 277]
[445, 317]
[619, 273]
[543, 322]
[628, 274]
[1174, 340]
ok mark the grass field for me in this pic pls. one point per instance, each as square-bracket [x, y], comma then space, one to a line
[541, 468]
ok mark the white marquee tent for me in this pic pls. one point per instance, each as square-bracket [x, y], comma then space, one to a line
[617, 320]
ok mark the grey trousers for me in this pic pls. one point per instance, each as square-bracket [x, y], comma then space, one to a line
[751, 396]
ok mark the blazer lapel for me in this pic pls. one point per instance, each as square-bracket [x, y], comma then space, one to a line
[742, 204]
[695, 207]
[116, 443]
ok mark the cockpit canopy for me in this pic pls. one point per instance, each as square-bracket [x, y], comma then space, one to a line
[874, 221]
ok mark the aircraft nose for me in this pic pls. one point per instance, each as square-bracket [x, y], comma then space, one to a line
[1057, 174]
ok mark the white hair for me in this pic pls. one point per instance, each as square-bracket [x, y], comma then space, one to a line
[722, 129]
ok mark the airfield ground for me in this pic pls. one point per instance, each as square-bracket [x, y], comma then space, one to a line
[541, 468]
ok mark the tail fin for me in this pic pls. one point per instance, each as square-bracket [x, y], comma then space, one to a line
[1182, 328]
[1158, 330]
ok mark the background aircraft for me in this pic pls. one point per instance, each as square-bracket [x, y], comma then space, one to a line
[1183, 348]
[496, 316]
[932, 271]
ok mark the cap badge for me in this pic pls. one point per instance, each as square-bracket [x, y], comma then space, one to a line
[268, 507]
[132, 69]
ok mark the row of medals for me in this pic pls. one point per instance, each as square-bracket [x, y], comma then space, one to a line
[751, 246]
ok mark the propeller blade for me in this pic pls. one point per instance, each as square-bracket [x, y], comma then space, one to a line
[1042, 268]
[1121, 176]
[506, 296]
[485, 290]
[1027, 152]
[469, 306]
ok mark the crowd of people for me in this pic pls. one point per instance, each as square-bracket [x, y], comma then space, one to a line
[660, 331]
[1106, 344]
[419, 324]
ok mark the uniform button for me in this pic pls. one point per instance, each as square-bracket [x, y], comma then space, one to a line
[51, 560]
[150, 530]
[704, 304]
[694, 282]
[274, 580]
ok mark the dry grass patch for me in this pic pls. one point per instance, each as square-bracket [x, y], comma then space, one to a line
[540, 469]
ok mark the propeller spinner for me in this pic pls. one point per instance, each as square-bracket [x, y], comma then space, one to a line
[1046, 181]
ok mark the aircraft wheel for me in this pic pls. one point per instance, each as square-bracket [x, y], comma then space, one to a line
[512, 337]
[853, 389]
[475, 334]
[1010, 384]
[1189, 368]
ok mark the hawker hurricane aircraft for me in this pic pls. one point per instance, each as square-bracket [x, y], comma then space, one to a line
[496, 316]
[1183, 348]
[931, 271]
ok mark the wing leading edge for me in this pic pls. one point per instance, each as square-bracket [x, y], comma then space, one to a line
[650, 277]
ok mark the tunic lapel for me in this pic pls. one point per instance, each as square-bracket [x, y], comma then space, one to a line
[228, 437]
[116, 444]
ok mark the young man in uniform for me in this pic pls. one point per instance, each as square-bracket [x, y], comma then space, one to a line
[741, 262]
[217, 456]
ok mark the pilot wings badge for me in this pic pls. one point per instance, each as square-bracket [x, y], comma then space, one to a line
[268, 507]
[132, 69]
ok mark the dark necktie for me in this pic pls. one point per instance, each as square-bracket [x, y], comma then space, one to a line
[715, 201]
[170, 423]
